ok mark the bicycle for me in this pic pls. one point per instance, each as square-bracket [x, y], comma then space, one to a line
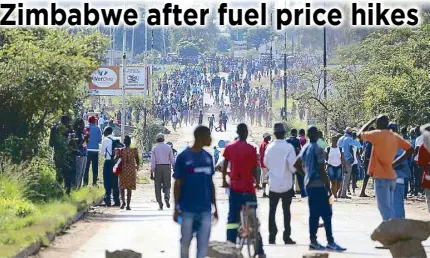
[249, 226]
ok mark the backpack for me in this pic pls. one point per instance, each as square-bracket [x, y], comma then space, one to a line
[116, 144]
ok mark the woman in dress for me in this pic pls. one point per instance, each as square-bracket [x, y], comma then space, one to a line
[127, 177]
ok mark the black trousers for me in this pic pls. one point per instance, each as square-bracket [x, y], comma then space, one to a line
[286, 203]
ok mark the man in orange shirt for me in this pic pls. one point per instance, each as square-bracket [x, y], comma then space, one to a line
[381, 166]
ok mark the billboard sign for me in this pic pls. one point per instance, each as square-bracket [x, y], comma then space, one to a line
[105, 78]
[108, 80]
[135, 77]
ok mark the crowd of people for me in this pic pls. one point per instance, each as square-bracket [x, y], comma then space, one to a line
[326, 170]
[77, 149]
[398, 161]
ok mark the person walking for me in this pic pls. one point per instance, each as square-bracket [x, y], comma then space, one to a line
[128, 176]
[243, 174]
[93, 150]
[174, 120]
[110, 180]
[318, 190]
[347, 144]
[162, 160]
[279, 159]
[334, 157]
[194, 193]
[263, 147]
[385, 144]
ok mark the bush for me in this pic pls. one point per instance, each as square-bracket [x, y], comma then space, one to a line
[145, 138]
[47, 187]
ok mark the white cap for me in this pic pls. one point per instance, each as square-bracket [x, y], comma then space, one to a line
[159, 136]
[265, 135]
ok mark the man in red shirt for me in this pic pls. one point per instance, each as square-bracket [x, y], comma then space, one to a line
[263, 146]
[242, 158]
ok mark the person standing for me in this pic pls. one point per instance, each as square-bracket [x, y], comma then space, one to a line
[211, 122]
[263, 147]
[402, 171]
[216, 154]
[418, 170]
[424, 161]
[385, 144]
[162, 160]
[127, 177]
[224, 121]
[194, 193]
[302, 137]
[347, 144]
[243, 175]
[93, 150]
[279, 158]
[293, 140]
[334, 157]
[110, 180]
[81, 155]
[366, 159]
[201, 117]
[318, 190]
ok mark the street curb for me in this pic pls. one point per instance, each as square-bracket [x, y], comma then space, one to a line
[36, 246]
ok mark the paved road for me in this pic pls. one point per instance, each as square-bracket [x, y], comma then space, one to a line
[154, 234]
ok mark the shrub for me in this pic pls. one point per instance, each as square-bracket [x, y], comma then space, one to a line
[47, 187]
[146, 137]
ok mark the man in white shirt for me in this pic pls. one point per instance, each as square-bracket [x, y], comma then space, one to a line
[110, 180]
[279, 158]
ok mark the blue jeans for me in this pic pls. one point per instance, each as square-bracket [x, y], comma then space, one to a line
[384, 191]
[319, 206]
[110, 183]
[398, 203]
[236, 200]
[202, 223]
[301, 182]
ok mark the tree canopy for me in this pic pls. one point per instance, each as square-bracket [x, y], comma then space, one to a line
[41, 71]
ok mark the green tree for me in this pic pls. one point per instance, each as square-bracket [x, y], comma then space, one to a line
[223, 44]
[188, 49]
[41, 71]
[257, 37]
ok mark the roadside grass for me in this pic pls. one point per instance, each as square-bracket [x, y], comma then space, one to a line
[18, 232]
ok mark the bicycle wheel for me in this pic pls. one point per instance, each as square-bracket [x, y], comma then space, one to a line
[253, 235]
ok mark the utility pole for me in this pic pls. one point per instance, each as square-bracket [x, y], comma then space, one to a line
[270, 66]
[285, 71]
[325, 72]
[124, 79]
[132, 46]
